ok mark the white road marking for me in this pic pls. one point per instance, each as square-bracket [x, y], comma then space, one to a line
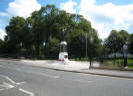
[8, 79]
[9, 86]
[50, 76]
[39, 73]
[56, 77]
[28, 71]
[20, 83]
[2, 89]
[82, 81]
[13, 82]
[27, 92]
[6, 86]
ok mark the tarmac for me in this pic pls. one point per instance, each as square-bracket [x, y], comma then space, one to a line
[73, 66]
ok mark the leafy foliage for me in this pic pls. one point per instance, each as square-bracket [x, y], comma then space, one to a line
[131, 44]
[50, 25]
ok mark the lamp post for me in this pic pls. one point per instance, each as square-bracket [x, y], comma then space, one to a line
[64, 32]
[44, 43]
[91, 42]
[86, 46]
[125, 48]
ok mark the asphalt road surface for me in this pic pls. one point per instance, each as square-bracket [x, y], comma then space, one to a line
[24, 80]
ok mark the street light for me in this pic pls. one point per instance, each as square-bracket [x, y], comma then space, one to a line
[125, 49]
[44, 43]
[64, 33]
[91, 42]
[86, 46]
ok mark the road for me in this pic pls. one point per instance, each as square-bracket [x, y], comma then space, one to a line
[25, 80]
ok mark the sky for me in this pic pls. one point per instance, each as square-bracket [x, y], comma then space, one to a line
[104, 15]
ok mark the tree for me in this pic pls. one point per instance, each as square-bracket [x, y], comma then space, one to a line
[76, 46]
[131, 44]
[47, 25]
[116, 40]
[43, 25]
[113, 42]
[15, 33]
[124, 38]
[2, 45]
[38, 31]
[52, 49]
[77, 37]
[29, 38]
[19, 37]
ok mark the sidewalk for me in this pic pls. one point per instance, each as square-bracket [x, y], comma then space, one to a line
[78, 67]
[73, 66]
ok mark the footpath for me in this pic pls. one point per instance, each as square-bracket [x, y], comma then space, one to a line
[73, 66]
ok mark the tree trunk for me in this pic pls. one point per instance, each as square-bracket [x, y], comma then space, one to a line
[115, 58]
[90, 61]
[38, 51]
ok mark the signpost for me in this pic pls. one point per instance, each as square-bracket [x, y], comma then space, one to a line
[125, 48]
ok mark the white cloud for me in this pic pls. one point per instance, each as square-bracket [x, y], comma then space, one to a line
[130, 28]
[108, 16]
[2, 34]
[22, 7]
[68, 6]
[3, 14]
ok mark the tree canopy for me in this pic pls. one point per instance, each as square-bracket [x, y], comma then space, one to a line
[117, 39]
[50, 25]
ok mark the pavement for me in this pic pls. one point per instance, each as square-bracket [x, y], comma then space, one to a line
[23, 78]
[75, 66]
